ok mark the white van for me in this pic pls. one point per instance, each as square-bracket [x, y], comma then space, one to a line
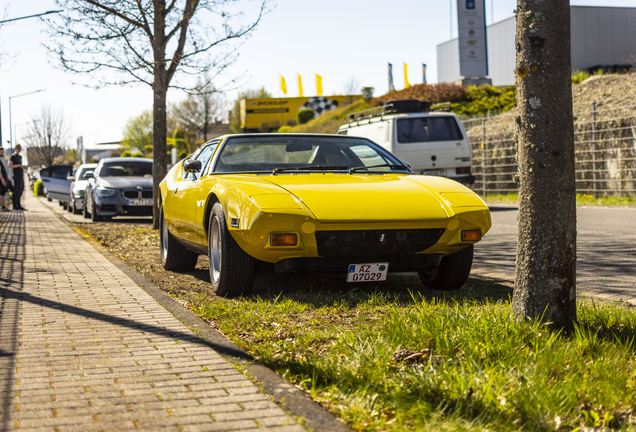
[431, 143]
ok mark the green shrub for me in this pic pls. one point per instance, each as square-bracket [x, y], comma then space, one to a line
[182, 155]
[367, 94]
[138, 154]
[264, 128]
[126, 153]
[291, 122]
[304, 116]
[274, 125]
[483, 98]
[38, 188]
[285, 129]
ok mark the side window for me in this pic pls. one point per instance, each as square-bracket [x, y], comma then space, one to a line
[204, 155]
[369, 157]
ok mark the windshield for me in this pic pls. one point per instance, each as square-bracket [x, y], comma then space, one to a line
[126, 169]
[83, 171]
[319, 153]
[424, 129]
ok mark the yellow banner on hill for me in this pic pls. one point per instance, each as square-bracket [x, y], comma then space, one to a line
[277, 111]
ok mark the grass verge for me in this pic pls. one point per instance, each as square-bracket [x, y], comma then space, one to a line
[581, 199]
[395, 359]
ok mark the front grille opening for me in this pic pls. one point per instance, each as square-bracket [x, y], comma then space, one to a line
[375, 242]
[131, 194]
[146, 194]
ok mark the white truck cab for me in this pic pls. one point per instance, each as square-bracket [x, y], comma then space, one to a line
[431, 143]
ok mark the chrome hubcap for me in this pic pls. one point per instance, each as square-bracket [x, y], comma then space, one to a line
[215, 249]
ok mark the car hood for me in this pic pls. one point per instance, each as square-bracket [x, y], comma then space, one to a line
[337, 197]
[125, 182]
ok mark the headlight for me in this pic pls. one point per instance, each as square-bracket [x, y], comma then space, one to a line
[105, 192]
[78, 193]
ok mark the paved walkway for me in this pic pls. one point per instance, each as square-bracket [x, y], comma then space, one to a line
[83, 348]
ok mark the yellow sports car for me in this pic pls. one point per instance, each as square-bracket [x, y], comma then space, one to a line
[315, 203]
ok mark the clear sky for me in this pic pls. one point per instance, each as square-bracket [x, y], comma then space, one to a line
[338, 39]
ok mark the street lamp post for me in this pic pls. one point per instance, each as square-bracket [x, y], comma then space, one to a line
[11, 124]
[15, 128]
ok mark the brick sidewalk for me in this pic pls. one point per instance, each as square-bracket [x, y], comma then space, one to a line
[83, 348]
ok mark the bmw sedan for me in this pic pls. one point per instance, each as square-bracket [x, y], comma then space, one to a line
[119, 187]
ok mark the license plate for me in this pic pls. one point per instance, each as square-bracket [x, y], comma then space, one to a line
[140, 202]
[367, 272]
[439, 173]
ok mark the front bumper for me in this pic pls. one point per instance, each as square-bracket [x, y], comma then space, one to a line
[119, 205]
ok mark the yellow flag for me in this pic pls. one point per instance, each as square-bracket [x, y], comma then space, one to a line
[318, 85]
[406, 77]
[283, 85]
[300, 86]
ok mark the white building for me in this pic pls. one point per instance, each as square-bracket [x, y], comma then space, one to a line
[601, 37]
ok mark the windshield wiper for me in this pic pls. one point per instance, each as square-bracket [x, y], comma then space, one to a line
[312, 168]
[393, 166]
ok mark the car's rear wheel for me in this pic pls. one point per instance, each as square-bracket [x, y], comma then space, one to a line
[231, 269]
[69, 207]
[173, 255]
[452, 273]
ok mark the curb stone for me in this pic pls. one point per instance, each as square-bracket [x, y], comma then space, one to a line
[309, 413]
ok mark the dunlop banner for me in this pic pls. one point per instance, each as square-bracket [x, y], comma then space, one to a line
[277, 111]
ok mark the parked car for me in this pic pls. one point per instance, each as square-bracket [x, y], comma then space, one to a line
[119, 187]
[315, 203]
[56, 184]
[78, 186]
[431, 143]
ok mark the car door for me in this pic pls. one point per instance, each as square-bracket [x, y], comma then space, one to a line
[184, 199]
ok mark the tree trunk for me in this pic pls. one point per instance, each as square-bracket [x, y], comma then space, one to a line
[546, 251]
[160, 90]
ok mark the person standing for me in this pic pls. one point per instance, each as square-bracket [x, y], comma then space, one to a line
[15, 163]
[4, 182]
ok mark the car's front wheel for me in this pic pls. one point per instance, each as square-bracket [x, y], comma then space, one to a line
[231, 269]
[85, 212]
[94, 216]
[452, 273]
[173, 255]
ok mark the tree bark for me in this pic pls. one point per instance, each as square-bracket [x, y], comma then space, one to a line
[160, 90]
[545, 283]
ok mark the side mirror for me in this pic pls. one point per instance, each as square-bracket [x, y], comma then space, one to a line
[89, 175]
[70, 178]
[192, 165]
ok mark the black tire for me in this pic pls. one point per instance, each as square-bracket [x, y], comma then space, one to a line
[61, 204]
[74, 209]
[231, 269]
[452, 273]
[173, 255]
[85, 212]
[94, 216]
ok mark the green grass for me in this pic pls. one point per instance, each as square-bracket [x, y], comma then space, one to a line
[390, 359]
[581, 199]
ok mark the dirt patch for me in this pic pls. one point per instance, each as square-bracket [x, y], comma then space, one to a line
[138, 246]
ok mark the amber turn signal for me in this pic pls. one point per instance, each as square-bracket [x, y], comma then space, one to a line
[284, 239]
[468, 236]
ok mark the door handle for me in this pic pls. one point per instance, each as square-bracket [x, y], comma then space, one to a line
[46, 180]
[175, 191]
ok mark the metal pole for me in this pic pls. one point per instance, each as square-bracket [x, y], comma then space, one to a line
[483, 156]
[594, 148]
[10, 128]
[10, 124]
